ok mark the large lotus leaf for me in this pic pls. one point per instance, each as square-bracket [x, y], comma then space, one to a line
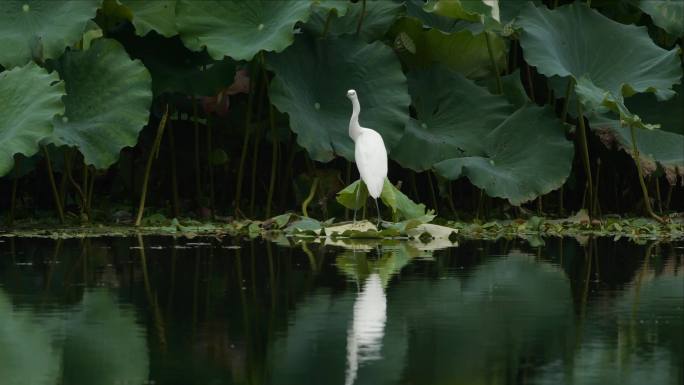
[29, 98]
[377, 19]
[525, 156]
[462, 51]
[31, 29]
[104, 344]
[174, 68]
[624, 61]
[239, 29]
[415, 9]
[453, 115]
[156, 15]
[662, 146]
[107, 102]
[666, 14]
[311, 82]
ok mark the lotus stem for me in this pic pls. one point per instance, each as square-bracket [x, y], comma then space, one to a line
[328, 20]
[198, 177]
[540, 207]
[480, 198]
[291, 151]
[596, 208]
[245, 142]
[658, 198]
[13, 204]
[174, 175]
[432, 191]
[644, 190]
[91, 187]
[68, 157]
[274, 159]
[495, 67]
[55, 193]
[308, 199]
[414, 187]
[148, 166]
[361, 17]
[566, 103]
[84, 202]
[451, 199]
[530, 82]
[257, 142]
[669, 198]
[210, 170]
[582, 137]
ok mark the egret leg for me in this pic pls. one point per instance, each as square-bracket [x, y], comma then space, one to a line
[378, 208]
[356, 201]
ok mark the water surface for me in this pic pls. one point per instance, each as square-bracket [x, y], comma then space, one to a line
[209, 311]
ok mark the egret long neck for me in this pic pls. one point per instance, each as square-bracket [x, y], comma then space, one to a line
[354, 127]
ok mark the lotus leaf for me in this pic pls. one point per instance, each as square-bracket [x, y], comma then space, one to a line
[239, 29]
[662, 146]
[312, 78]
[391, 197]
[462, 51]
[525, 156]
[452, 116]
[30, 29]
[107, 103]
[668, 15]
[377, 19]
[29, 98]
[157, 15]
[604, 68]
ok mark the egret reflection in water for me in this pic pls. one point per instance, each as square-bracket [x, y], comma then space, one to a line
[364, 338]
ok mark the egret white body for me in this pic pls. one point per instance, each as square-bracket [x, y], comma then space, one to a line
[370, 154]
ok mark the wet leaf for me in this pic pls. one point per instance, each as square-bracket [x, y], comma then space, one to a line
[29, 99]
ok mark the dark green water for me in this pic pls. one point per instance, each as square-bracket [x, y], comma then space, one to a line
[210, 311]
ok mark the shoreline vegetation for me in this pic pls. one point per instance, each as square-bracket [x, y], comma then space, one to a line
[293, 226]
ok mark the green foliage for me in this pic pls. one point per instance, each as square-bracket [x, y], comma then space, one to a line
[391, 196]
[89, 79]
[452, 116]
[30, 29]
[311, 82]
[239, 29]
[463, 51]
[525, 156]
[668, 15]
[29, 98]
[603, 81]
[157, 15]
[107, 102]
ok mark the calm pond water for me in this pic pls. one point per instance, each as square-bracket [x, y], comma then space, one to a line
[209, 311]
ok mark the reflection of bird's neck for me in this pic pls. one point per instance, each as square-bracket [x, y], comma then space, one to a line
[354, 127]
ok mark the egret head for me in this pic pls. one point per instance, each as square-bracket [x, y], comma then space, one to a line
[351, 94]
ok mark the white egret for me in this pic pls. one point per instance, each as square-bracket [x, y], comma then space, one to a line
[370, 154]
